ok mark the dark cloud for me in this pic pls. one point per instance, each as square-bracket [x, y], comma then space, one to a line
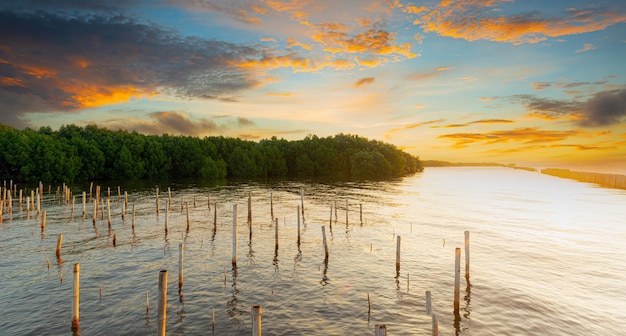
[174, 123]
[245, 122]
[68, 5]
[57, 62]
[604, 108]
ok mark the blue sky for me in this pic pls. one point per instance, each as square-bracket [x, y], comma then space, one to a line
[538, 83]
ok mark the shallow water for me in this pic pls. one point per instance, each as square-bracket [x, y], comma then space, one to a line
[546, 259]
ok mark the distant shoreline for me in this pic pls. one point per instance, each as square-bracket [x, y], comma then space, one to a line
[436, 163]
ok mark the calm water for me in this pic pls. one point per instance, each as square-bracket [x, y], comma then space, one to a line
[547, 258]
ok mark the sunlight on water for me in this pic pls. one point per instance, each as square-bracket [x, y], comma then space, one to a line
[546, 259]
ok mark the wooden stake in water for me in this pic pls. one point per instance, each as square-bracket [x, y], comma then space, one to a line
[125, 199]
[457, 277]
[234, 234]
[302, 201]
[215, 217]
[167, 217]
[276, 234]
[272, 205]
[346, 211]
[256, 312]
[59, 243]
[361, 212]
[298, 213]
[109, 210]
[115, 240]
[467, 253]
[147, 302]
[73, 202]
[181, 261]
[133, 223]
[429, 309]
[397, 254]
[76, 298]
[187, 209]
[324, 239]
[43, 222]
[434, 325]
[162, 308]
[84, 205]
[249, 207]
[157, 200]
[380, 330]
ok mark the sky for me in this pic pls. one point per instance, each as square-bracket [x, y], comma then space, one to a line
[532, 83]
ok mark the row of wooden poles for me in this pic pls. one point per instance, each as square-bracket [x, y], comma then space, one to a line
[610, 180]
[380, 329]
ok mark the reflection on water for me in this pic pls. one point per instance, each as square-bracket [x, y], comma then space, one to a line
[547, 258]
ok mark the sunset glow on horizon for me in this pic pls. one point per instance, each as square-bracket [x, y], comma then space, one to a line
[532, 83]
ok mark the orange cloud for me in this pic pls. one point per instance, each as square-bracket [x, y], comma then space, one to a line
[298, 64]
[86, 95]
[363, 81]
[482, 121]
[538, 86]
[393, 131]
[523, 135]
[294, 43]
[7, 81]
[476, 20]
[276, 94]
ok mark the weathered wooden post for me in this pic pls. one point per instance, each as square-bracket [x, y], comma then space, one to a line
[398, 254]
[215, 217]
[249, 207]
[234, 234]
[162, 310]
[324, 239]
[181, 261]
[167, 217]
[115, 240]
[187, 209]
[346, 211]
[302, 201]
[298, 213]
[133, 222]
[84, 205]
[457, 277]
[272, 205]
[256, 312]
[361, 212]
[59, 243]
[109, 211]
[43, 222]
[276, 234]
[429, 309]
[157, 200]
[435, 325]
[76, 298]
[467, 253]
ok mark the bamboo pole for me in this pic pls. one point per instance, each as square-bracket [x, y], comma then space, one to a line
[162, 311]
[457, 277]
[169, 196]
[208, 202]
[467, 253]
[234, 234]
[380, 330]
[38, 205]
[147, 302]
[43, 222]
[102, 208]
[330, 219]
[181, 261]
[272, 205]
[76, 298]
[125, 199]
[115, 240]
[182, 203]
[429, 308]
[27, 208]
[397, 254]
[90, 190]
[256, 312]
[95, 211]
[298, 213]
[361, 212]
[84, 204]
[324, 239]
[347, 211]
[1, 211]
[109, 211]
[73, 203]
[119, 192]
[157, 200]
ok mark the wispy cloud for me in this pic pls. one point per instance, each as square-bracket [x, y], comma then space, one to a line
[393, 131]
[587, 47]
[538, 86]
[529, 135]
[363, 81]
[482, 121]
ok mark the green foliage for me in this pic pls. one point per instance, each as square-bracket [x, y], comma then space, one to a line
[76, 153]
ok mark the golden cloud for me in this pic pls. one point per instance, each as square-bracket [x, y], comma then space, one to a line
[393, 131]
[524, 135]
[363, 81]
[476, 20]
[294, 43]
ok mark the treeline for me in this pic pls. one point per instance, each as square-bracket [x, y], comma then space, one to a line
[76, 153]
